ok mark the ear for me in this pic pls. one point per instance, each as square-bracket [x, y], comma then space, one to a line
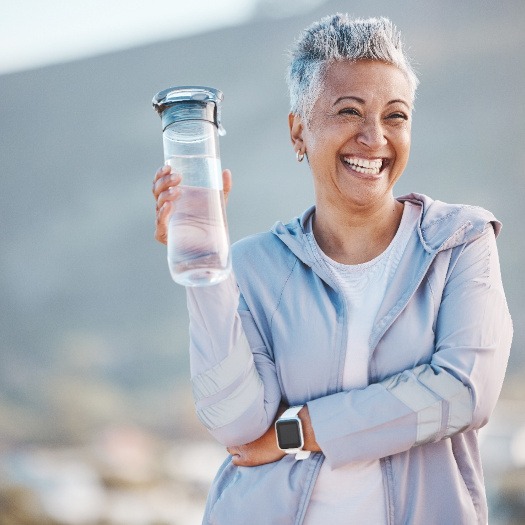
[295, 123]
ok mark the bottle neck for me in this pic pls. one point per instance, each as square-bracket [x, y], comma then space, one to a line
[190, 111]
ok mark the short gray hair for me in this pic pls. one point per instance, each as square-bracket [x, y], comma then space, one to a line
[339, 37]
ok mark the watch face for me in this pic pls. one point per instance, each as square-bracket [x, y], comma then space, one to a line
[288, 434]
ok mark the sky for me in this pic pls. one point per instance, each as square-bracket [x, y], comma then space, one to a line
[35, 33]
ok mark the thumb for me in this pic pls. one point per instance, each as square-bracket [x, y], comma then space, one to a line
[226, 183]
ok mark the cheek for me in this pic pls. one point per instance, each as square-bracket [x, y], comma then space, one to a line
[317, 151]
[406, 148]
[403, 146]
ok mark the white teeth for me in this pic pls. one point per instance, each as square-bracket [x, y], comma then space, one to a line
[371, 167]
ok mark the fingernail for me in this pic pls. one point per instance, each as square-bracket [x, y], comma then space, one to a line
[174, 191]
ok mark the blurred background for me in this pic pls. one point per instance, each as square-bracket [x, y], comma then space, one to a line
[96, 419]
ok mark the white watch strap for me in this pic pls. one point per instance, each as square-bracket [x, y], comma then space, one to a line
[291, 412]
[302, 454]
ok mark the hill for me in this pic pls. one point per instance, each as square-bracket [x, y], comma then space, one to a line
[93, 330]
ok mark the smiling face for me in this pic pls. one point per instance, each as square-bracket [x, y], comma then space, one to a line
[357, 138]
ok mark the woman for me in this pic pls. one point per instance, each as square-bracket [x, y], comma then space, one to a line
[382, 320]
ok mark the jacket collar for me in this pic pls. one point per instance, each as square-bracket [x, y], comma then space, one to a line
[441, 226]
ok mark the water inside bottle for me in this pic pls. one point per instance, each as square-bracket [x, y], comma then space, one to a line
[198, 244]
[197, 170]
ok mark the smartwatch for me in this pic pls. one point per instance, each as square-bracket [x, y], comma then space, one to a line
[289, 432]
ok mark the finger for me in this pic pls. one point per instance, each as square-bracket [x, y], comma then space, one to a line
[239, 460]
[164, 207]
[161, 223]
[236, 455]
[226, 183]
[163, 183]
[170, 194]
[161, 172]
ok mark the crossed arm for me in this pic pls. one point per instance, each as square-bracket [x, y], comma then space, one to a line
[454, 392]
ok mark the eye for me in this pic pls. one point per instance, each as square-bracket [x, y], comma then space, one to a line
[397, 115]
[350, 111]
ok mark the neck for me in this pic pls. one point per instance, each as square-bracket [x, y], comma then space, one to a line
[355, 236]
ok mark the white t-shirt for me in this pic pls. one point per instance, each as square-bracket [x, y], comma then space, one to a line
[354, 493]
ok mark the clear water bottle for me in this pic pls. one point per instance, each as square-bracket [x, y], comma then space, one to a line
[198, 243]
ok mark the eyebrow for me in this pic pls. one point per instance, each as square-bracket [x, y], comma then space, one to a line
[349, 97]
[361, 101]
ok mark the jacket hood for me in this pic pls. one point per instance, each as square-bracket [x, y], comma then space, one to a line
[441, 226]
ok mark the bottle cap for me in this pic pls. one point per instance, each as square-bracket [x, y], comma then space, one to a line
[181, 103]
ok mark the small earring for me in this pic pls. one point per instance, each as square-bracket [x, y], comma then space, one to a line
[299, 156]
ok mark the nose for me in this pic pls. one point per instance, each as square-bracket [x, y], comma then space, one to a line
[372, 134]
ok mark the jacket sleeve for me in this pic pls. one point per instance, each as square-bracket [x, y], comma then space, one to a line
[234, 383]
[455, 392]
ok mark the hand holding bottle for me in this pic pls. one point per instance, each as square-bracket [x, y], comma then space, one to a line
[166, 191]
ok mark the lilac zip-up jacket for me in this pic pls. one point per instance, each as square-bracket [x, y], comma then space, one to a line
[277, 330]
